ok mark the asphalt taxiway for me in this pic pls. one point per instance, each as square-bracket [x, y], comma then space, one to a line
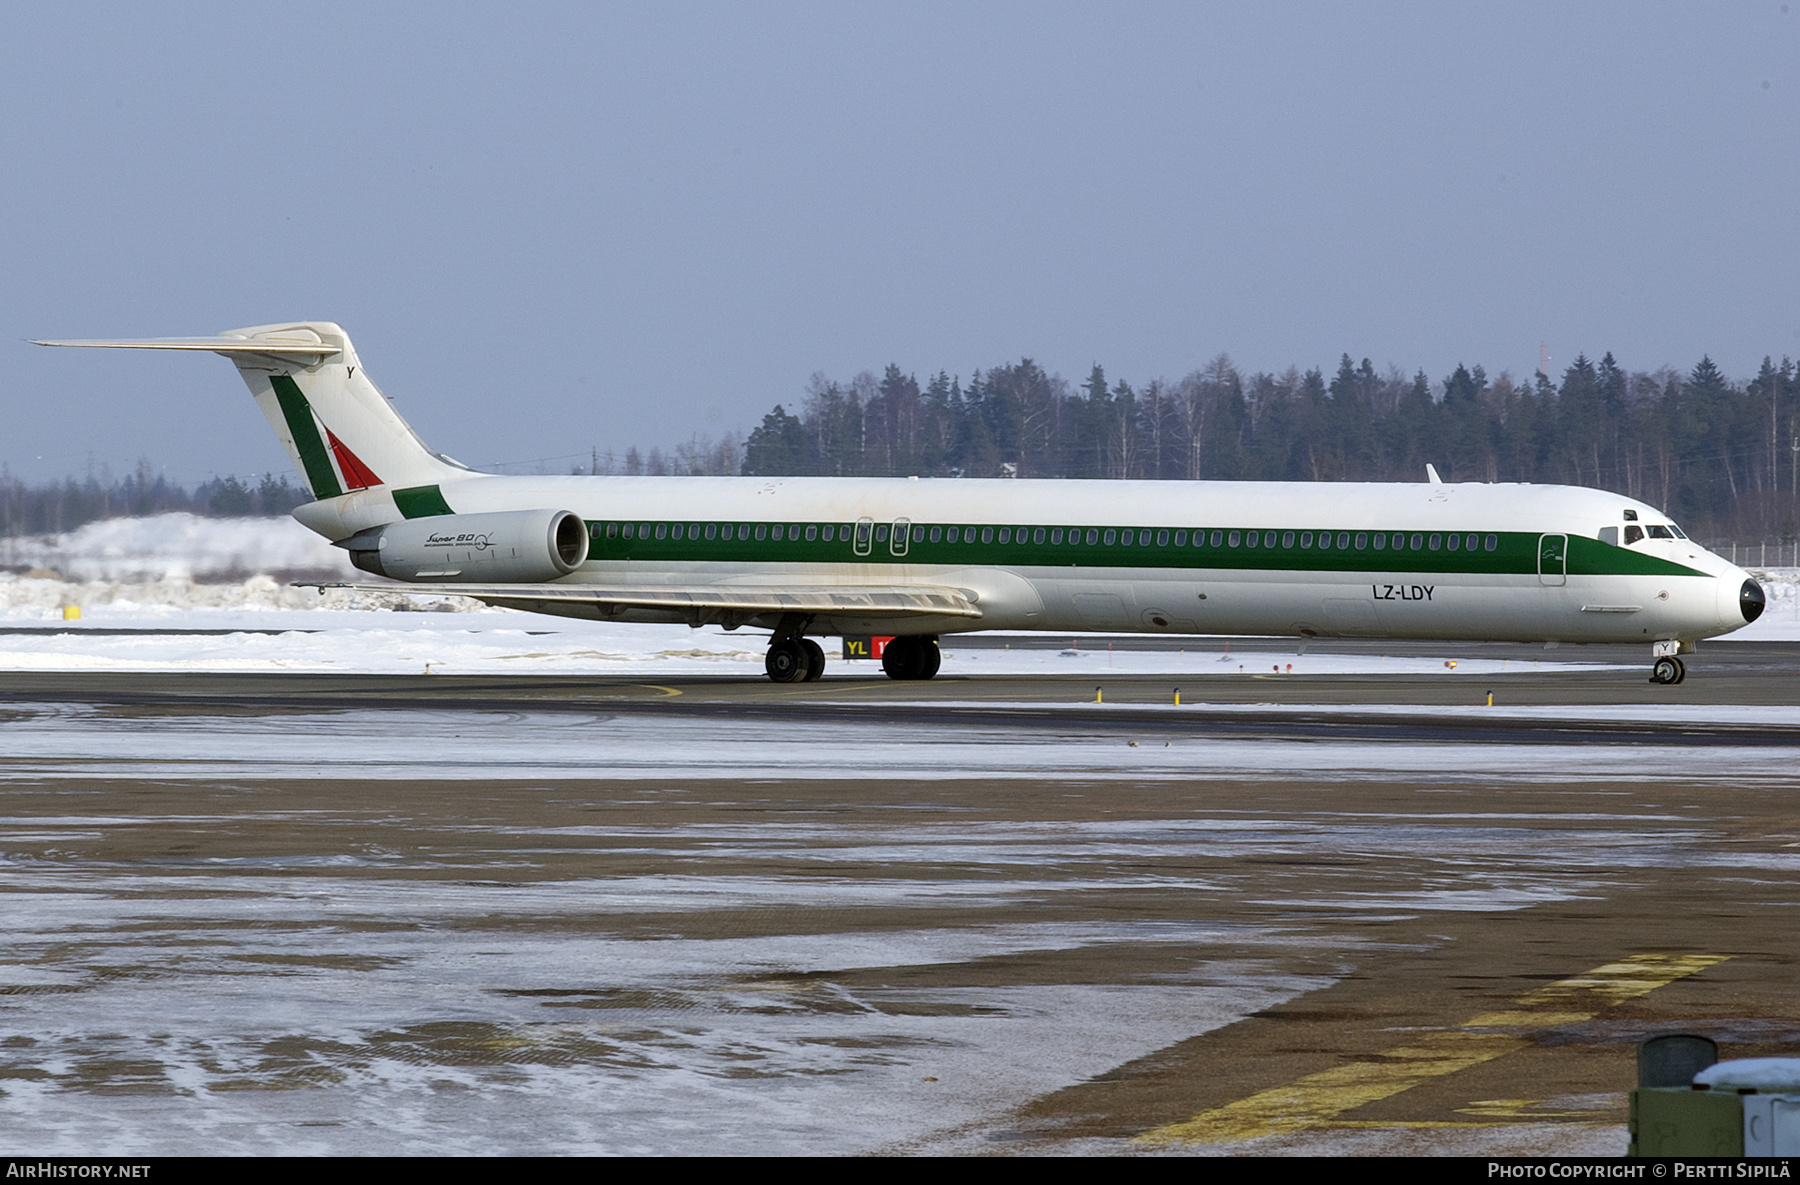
[1327, 914]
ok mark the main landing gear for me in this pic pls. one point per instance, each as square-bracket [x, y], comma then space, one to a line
[795, 660]
[917, 657]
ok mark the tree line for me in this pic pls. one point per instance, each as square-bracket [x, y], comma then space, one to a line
[1722, 457]
[53, 507]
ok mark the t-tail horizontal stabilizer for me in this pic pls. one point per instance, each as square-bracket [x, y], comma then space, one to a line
[340, 432]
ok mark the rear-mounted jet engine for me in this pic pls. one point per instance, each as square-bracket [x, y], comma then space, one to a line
[524, 546]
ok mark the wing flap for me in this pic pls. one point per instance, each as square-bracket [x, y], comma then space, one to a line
[706, 600]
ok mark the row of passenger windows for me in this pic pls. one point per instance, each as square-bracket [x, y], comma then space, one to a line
[1060, 536]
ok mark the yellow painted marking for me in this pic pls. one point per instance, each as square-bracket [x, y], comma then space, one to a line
[1524, 1019]
[1318, 1099]
[1525, 1109]
[667, 692]
[1626, 979]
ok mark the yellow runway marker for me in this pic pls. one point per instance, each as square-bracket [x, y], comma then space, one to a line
[1318, 1099]
[667, 692]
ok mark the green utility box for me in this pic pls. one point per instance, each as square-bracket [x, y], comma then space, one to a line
[1682, 1121]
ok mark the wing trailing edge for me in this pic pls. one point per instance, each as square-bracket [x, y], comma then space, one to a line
[710, 602]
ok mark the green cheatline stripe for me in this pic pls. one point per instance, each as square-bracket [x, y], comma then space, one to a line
[307, 441]
[421, 502]
[1516, 552]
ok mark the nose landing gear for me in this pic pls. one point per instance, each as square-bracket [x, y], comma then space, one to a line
[1666, 663]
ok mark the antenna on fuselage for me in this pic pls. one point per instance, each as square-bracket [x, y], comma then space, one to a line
[1431, 475]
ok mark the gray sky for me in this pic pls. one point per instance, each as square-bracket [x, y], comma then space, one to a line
[555, 226]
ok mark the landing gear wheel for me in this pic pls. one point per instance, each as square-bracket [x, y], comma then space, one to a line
[901, 658]
[911, 658]
[1668, 670]
[815, 660]
[1680, 671]
[787, 661]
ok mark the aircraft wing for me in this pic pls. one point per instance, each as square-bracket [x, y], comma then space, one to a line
[706, 603]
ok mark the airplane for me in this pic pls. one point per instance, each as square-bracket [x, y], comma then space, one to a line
[915, 559]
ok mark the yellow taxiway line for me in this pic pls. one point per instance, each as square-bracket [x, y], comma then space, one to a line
[1318, 1099]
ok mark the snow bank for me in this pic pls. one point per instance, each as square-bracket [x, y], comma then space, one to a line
[173, 546]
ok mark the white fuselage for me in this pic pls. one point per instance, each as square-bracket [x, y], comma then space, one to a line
[1431, 561]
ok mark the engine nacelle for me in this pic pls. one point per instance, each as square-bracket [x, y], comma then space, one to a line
[513, 546]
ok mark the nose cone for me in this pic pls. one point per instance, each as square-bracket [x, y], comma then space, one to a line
[1751, 601]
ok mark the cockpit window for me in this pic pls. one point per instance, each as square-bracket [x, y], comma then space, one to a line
[1633, 534]
[1679, 533]
[1657, 532]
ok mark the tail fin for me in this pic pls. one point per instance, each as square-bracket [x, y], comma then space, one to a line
[340, 431]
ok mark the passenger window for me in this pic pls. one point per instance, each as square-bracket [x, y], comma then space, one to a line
[1433, 542]
[952, 534]
[1472, 542]
[1453, 542]
[643, 531]
[812, 532]
[662, 530]
[1418, 543]
[937, 534]
[987, 534]
[1287, 539]
[1492, 542]
[1344, 541]
[881, 533]
[1181, 538]
[744, 531]
[1111, 536]
[1124, 537]
[1218, 537]
[1005, 535]
[1093, 536]
[712, 531]
[1380, 542]
[1231, 539]
[1037, 536]
[918, 534]
[1162, 539]
[1305, 540]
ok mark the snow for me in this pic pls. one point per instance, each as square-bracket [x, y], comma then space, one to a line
[168, 546]
[1753, 1073]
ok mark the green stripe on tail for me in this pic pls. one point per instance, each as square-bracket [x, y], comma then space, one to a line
[307, 441]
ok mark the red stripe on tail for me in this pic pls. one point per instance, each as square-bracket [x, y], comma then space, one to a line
[357, 476]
